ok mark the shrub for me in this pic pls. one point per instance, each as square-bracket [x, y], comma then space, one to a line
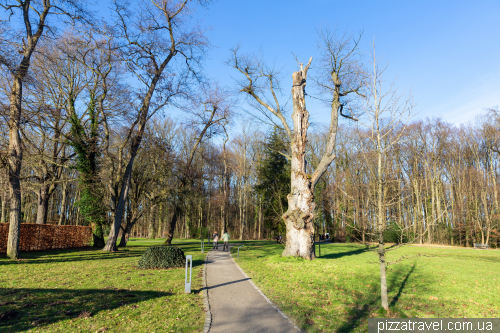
[162, 257]
[394, 234]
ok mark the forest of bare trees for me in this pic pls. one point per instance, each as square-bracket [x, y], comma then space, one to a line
[90, 143]
[442, 181]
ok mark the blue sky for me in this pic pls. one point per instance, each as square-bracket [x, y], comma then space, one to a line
[446, 52]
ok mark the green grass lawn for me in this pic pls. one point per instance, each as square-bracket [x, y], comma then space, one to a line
[339, 291]
[86, 290]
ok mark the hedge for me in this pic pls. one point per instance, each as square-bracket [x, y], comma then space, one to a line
[35, 237]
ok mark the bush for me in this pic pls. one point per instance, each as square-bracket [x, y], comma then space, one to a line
[393, 232]
[162, 257]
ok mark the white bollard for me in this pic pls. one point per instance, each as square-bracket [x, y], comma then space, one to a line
[239, 251]
[187, 288]
[202, 246]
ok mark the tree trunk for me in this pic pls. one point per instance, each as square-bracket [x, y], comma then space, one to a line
[171, 225]
[151, 224]
[240, 201]
[62, 216]
[4, 207]
[433, 218]
[245, 202]
[15, 159]
[260, 218]
[115, 227]
[128, 228]
[43, 204]
[383, 273]
[300, 214]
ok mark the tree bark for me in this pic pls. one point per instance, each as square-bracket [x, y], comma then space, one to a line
[4, 207]
[259, 236]
[151, 224]
[43, 204]
[300, 214]
[15, 159]
[62, 216]
[115, 227]
[171, 225]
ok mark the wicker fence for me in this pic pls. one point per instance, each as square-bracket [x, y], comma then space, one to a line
[46, 237]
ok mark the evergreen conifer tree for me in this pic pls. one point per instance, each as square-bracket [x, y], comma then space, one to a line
[274, 181]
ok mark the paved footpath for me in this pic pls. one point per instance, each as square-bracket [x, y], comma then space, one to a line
[235, 304]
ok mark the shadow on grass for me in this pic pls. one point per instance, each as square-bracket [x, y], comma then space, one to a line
[402, 286]
[24, 309]
[344, 254]
[86, 253]
[358, 250]
[69, 255]
[363, 306]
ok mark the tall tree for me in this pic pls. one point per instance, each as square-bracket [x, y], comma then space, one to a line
[155, 34]
[340, 78]
[211, 112]
[273, 175]
[34, 15]
[386, 114]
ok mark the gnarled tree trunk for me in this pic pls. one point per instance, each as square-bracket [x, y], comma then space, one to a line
[300, 214]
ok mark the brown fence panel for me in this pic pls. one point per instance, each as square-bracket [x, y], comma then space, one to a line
[46, 237]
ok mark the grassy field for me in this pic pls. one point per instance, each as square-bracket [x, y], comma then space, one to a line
[339, 291]
[86, 290]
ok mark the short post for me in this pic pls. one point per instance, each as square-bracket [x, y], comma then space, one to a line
[239, 251]
[187, 288]
[202, 246]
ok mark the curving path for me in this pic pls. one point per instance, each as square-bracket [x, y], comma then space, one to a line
[235, 303]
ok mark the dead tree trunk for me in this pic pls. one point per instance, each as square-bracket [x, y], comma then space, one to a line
[300, 214]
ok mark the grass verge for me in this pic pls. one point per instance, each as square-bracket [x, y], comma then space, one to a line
[339, 291]
[86, 290]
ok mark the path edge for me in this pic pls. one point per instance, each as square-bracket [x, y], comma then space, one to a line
[275, 307]
[206, 303]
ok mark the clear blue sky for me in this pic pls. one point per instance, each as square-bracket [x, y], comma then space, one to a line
[446, 52]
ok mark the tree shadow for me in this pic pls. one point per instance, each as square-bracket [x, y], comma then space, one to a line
[69, 255]
[362, 308]
[84, 254]
[402, 286]
[198, 263]
[25, 309]
[344, 254]
[226, 283]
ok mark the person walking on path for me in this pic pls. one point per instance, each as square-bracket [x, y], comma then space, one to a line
[216, 242]
[235, 304]
[225, 238]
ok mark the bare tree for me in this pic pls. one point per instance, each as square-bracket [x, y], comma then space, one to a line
[211, 112]
[155, 34]
[34, 15]
[340, 79]
[385, 115]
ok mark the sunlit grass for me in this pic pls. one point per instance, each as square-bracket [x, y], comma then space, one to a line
[86, 290]
[339, 291]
